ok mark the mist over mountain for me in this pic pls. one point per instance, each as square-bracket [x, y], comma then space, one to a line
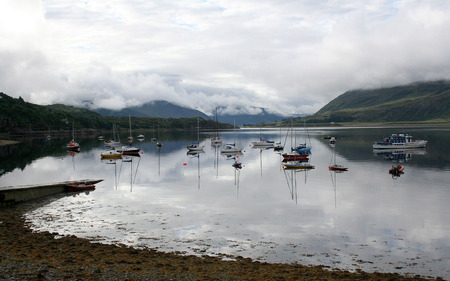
[159, 109]
[165, 109]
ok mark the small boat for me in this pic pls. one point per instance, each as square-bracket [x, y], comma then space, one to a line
[216, 141]
[114, 141]
[298, 166]
[332, 140]
[231, 148]
[263, 143]
[140, 137]
[302, 149]
[278, 147]
[74, 187]
[294, 157]
[237, 165]
[73, 145]
[396, 141]
[112, 154]
[396, 170]
[196, 145]
[129, 150]
[337, 167]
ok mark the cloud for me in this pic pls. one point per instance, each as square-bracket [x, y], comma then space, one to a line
[286, 56]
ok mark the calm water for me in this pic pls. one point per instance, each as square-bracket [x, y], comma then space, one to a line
[166, 199]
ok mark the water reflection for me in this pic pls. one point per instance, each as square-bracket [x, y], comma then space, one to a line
[359, 219]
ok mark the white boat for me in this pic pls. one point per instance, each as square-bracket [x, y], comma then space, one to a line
[130, 137]
[128, 150]
[196, 145]
[262, 142]
[396, 141]
[216, 140]
[113, 142]
[140, 137]
[231, 147]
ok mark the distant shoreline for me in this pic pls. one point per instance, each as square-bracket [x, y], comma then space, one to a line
[8, 142]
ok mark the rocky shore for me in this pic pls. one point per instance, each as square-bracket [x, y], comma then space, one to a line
[28, 255]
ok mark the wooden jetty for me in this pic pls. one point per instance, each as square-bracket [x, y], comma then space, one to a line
[11, 195]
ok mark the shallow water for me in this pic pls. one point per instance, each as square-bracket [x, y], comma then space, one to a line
[165, 199]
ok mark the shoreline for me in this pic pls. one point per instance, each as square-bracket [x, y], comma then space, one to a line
[29, 255]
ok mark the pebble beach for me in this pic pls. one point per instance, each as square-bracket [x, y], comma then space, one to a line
[29, 255]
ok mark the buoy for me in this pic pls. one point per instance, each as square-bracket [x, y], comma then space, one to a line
[184, 164]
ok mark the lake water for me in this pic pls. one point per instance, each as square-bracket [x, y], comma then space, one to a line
[360, 219]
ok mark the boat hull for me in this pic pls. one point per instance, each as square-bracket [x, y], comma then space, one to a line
[298, 166]
[337, 168]
[411, 145]
[294, 157]
[79, 187]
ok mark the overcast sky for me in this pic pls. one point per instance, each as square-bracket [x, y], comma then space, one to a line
[287, 56]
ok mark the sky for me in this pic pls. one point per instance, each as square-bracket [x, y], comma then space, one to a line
[289, 57]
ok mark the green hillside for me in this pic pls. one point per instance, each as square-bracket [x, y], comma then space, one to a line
[18, 116]
[424, 101]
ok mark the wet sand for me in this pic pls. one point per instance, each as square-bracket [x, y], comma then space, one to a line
[28, 255]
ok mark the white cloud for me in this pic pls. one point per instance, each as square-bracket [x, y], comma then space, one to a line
[287, 56]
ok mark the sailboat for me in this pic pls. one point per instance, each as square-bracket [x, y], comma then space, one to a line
[114, 141]
[262, 142]
[158, 141]
[278, 146]
[216, 140]
[129, 149]
[231, 147]
[73, 145]
[334, 166]
[196, 145]
[130, 137]
[295, 154]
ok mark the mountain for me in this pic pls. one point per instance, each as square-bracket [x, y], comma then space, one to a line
[165, 109]
[160, 109]
[420, 101]
[19, 116]
[249, 119]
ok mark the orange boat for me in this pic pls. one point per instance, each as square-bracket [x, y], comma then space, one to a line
[395, 170]
[74, 187]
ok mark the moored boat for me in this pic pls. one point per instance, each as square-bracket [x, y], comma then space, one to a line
[263, 143]
[74, 187]
[396, 170]
[73, 146]
[129, 150]
[298, 166]
[396, 141]
[337, 167]
[294, 156]
[231, 148]
[111, 155]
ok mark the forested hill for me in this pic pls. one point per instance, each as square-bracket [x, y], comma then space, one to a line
[421, 101]
[17, 116]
